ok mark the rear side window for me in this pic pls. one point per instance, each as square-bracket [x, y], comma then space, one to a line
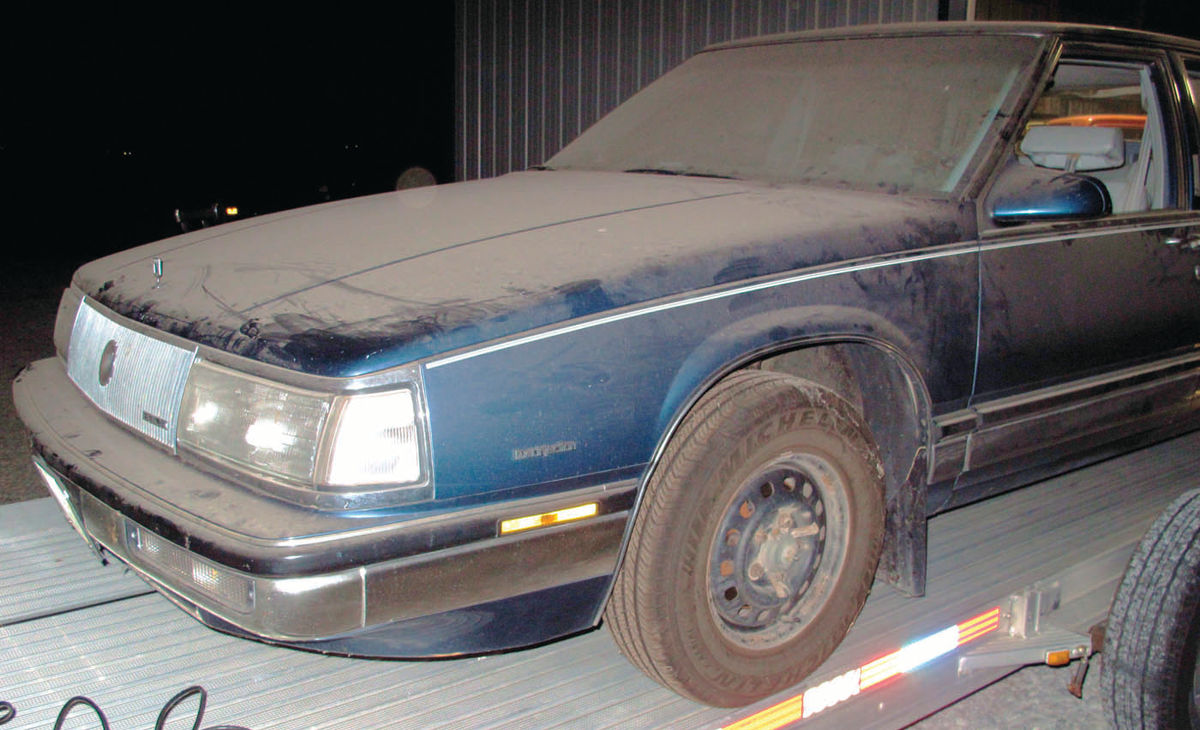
[1193, 69]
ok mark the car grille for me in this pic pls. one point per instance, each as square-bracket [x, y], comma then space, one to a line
[134, 378]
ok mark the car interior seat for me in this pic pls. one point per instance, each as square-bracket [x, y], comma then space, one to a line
[1098, 151]
[1145, 189]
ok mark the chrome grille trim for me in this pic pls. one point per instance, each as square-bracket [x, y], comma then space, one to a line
[147, 376]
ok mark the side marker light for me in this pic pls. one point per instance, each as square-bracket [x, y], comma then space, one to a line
[546, 519]
[1058, 658]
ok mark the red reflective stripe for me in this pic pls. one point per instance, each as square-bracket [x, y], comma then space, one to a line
[772, 717]
[877, 671]
[870, 674]
[984, 623]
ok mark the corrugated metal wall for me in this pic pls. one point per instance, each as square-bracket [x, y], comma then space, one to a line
[532, 74]
[1146, 14]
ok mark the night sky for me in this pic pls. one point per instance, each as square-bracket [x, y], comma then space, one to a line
[115, 115]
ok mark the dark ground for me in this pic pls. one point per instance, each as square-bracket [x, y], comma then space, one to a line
[29, 293]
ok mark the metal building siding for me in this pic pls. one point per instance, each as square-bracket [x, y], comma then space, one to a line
[532, 74]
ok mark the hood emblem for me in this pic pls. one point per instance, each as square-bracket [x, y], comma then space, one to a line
[108, 360]
[157, 266]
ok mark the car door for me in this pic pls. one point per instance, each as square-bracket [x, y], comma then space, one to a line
[1089, 329]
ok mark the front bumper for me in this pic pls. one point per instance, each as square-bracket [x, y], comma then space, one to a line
[246, 563]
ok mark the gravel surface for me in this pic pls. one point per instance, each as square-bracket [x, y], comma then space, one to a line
[1035, 698]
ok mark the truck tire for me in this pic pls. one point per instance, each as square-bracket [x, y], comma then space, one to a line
[756, 542]
[1149, 673]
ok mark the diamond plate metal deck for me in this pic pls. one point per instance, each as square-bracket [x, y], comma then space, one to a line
[47, 569]
[70, 626]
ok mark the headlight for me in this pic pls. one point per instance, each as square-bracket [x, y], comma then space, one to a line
[376, 440]
[356, 447]
[251, 422]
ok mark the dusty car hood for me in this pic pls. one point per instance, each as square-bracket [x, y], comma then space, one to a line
[365, 284]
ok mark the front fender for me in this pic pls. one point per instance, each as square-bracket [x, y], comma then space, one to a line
[762, 334]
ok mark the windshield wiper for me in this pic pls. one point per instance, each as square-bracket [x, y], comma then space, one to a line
[662, 171]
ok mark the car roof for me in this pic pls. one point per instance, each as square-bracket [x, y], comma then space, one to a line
[1070, 31]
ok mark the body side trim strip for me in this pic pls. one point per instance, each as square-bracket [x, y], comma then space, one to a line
[1091, 233]
[1057, 391]
[953, 249]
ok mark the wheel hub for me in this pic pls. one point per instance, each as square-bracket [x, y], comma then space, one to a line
[769, 549]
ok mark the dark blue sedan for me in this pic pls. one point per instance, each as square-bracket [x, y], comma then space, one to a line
[702, 375]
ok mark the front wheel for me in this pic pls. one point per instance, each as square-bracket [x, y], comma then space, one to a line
[756, 543]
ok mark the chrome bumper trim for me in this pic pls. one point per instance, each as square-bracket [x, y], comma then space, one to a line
[330, 605]
[312, 575]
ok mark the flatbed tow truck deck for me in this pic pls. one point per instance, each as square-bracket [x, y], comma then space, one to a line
[1043, 561]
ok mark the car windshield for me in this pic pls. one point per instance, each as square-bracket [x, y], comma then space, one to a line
[900, 114]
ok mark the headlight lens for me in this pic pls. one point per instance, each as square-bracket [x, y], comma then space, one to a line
[251, 422]
[376, 440]
[346, 444]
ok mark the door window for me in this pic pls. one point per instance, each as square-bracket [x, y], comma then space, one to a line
[1102, 118]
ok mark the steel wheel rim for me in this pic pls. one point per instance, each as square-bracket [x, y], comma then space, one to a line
[777, 551]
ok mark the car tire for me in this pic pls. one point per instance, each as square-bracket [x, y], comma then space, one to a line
[1149, 673]
[755, 544]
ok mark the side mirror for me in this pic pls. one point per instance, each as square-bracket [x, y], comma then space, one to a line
[1037, 195]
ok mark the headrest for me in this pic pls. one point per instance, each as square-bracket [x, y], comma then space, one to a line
[1075, 148]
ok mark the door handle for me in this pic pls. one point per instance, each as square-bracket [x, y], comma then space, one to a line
[1192, 242]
